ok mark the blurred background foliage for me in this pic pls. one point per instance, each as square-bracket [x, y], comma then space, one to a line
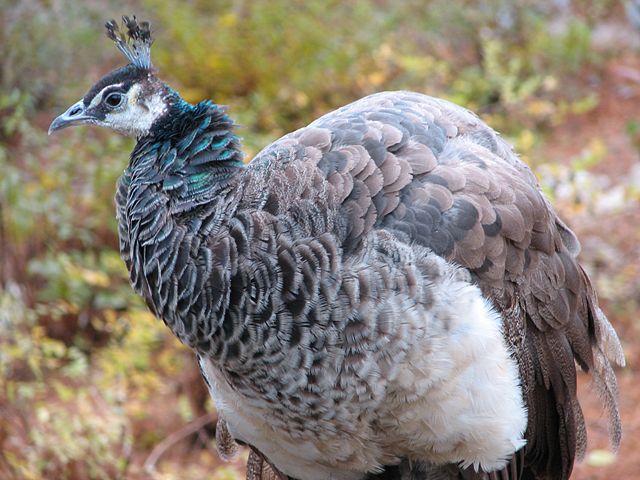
[91, 386]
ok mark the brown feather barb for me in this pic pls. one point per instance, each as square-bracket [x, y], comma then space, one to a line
[133, 39]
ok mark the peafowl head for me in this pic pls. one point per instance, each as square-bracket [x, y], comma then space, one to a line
[130, 99]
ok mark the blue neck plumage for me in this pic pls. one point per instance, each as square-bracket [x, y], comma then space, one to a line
[192, 153]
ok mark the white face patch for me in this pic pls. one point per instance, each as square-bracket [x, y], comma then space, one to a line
[136, 115]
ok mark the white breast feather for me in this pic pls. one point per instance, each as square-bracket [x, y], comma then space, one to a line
[456, 399]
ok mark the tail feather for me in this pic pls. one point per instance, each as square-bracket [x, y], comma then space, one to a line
[607, 351]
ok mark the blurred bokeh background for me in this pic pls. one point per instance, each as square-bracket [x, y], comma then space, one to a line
[91, 385]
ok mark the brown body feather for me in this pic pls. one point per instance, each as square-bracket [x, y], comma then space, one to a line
[456, 187]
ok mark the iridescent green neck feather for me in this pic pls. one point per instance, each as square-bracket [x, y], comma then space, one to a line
[191, 152]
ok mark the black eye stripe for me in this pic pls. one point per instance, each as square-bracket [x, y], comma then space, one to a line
[126, 76]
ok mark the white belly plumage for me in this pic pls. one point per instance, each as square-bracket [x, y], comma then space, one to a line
[455, 399]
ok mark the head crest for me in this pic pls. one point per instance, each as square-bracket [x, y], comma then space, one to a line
[133, 40]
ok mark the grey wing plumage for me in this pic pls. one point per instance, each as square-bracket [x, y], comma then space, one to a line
[433, 174]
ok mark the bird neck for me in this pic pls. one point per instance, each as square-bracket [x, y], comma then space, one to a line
[182, 186]
[191, 152]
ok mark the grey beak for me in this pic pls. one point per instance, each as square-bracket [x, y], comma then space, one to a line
[75, 114]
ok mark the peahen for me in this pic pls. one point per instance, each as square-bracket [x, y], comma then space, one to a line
[385, 292]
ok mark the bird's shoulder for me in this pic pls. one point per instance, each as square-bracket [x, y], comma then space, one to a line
[429, 171]
[433, 174]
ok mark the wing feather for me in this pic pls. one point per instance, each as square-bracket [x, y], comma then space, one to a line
[434, 174]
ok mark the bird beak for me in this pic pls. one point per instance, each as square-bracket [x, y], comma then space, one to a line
[76, 114]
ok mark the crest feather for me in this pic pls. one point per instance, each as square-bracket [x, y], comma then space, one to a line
[133, 39]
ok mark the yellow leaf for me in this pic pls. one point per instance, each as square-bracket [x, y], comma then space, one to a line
[600, 458]
[526, 140]
[376, 78]
[93, 277]
[228, 19]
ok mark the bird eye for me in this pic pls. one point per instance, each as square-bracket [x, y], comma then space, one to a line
[114, 100]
